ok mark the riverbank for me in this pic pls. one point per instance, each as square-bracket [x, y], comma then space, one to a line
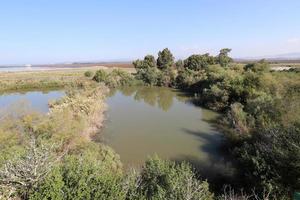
[85, 105]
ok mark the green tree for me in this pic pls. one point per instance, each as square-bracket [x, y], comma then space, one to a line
[179, 64]
[198, 62]
[165, 59]
[147, 70]
[223, 57]
[148, 62]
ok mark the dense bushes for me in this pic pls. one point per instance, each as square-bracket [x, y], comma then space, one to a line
[158, 72]
[89, 173]
[255, 102]
[80, 177]
[83, 177]
[166, 180]
[261, 123]
[115, 78]
[271, 160]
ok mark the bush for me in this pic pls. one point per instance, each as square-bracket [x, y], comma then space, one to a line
[261, 66]
[120, 78]
[88, 74]
[80, 177]
[239, 121]
[165, 180]
[114, 79]
[271, 160]
[83, 177]
[198, 62]
[100, 76]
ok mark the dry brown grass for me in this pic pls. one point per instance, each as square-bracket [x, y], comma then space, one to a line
[11, 81]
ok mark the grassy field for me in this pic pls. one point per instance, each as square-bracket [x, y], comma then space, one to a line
[11, 81]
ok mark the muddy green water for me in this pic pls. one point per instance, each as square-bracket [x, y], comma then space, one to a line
[143, 121]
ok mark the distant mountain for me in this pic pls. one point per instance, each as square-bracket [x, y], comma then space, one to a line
[288, 56]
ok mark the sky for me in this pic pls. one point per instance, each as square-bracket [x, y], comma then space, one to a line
[55, 31]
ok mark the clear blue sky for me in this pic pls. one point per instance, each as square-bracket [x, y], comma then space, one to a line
[51, 31]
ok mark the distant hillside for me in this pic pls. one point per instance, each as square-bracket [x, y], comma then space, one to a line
[280, 58]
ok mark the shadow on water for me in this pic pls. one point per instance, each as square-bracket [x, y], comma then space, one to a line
[218, 167]
[161, 97]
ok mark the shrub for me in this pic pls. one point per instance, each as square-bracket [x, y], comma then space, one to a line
[21, 175]
[88, 73]
[271, 160]
[165, 180]
[261, 66]
[100, 76]
[81, 177]
[120, 78]
[198, 62]
[114, 79]
[239, 121]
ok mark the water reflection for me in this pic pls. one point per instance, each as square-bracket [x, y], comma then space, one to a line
[142, 121]
[154, 96]
[29, 100]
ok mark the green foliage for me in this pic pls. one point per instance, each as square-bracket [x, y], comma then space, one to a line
[271, 159]
[51, 187]
[88, 74]
[166, 180]
[221, 88]
[261, 66]
[223, 57]
[160, 74]
[84, 177]
[199, 62]
[165, 59]
[100, 76]
[148, 62]
[115, 78]
[254, 99]
[261, 123]
[148, 75]
[179, 64]
[240, 121]
[80, 177]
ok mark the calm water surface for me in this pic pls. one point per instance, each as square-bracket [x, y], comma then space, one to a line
[36, 101]
[144, 121]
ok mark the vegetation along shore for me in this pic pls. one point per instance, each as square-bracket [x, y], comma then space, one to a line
[53, 156]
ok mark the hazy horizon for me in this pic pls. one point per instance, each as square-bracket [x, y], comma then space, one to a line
[44, 32]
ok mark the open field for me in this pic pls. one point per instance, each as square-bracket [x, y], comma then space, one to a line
[58, 78]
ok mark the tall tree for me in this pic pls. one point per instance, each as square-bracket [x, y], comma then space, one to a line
[223, 57]
[165, 59]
